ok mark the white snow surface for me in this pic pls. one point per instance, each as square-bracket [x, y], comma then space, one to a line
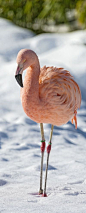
[20, 137]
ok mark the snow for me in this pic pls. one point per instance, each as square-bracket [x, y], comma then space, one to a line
[20, 137]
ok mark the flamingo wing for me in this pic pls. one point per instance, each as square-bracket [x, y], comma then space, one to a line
[58, 89]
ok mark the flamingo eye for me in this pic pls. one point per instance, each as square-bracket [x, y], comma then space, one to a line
[24, 60]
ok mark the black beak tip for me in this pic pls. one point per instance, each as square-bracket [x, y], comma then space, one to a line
[19, 79]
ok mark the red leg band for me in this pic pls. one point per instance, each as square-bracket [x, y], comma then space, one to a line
[49, 148]
[42, 146]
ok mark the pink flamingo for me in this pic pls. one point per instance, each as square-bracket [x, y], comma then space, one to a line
[49, 95]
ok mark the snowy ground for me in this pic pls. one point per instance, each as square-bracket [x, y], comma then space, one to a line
[20, 137]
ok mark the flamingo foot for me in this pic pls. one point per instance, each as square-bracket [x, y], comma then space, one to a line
[40, 192]
[44, 195]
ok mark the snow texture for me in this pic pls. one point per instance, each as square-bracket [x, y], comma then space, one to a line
[20, 137]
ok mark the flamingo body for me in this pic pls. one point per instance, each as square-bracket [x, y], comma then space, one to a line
[50, 94]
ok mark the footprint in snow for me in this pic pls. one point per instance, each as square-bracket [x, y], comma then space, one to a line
[2, 182]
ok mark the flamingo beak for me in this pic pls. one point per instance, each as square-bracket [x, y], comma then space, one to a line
[18, 76]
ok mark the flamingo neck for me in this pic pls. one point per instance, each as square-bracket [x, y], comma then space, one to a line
[31, 81]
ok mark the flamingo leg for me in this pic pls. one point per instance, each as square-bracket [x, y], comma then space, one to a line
[42, 156]
[48, 153]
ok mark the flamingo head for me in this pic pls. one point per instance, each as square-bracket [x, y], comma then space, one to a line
[25, 58]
